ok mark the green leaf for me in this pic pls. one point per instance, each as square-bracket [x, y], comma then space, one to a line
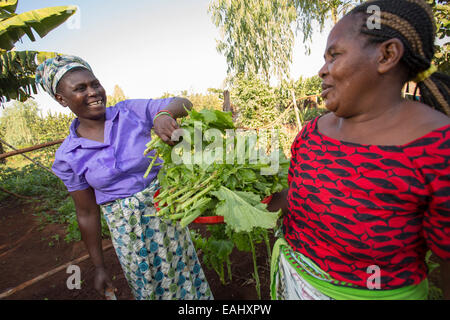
[221, 248]
[17, 73]
[242, 211]
[7, 7]
[40, 20]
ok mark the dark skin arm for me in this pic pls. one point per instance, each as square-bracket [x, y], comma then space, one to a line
[89, 221]
[165, 125]
[279, 201]
[445, 278]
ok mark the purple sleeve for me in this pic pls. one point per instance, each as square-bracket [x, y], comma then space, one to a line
[147, 109]
[71, 180]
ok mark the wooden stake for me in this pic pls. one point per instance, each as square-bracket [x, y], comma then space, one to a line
[297, 116]
[34, 161]
[36, 147]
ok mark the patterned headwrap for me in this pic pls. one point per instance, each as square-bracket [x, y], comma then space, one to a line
[52, 70]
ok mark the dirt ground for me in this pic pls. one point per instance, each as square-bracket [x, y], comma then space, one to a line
[29, 249]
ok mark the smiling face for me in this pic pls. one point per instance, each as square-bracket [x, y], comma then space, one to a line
[81, 91]
[350, 69]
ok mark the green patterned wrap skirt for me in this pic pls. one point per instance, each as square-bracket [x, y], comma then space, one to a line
[157, 256]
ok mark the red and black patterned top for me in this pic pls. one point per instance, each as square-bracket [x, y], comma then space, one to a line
[352, 206]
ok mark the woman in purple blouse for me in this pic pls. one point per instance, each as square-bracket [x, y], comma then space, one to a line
[101, 163]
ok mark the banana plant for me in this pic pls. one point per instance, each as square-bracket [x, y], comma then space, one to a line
[17, 68]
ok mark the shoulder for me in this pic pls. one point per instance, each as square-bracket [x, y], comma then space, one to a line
[327, 120]
[422, 119]
[307, 128]
[64, 149]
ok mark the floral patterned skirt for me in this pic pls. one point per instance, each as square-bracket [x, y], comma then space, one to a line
[157, 256]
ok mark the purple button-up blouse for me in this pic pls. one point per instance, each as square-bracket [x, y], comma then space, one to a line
[114, 168]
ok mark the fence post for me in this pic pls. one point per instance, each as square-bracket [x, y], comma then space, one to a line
[297, 116]
[226, 101]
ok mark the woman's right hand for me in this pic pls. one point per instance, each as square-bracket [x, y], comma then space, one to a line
[102, 281]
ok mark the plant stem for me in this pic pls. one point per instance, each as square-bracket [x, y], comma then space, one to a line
[178, 193]
[255, 267]
[266, 240]
[186, 196]
[187, 203]
[188, 219]
[229, 269]
[151, 165]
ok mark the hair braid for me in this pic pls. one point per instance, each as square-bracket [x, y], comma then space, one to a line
[412, 22]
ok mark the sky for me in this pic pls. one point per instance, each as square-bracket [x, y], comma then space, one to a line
[148, 47]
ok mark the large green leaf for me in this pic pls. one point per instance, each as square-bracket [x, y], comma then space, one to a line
[17, 73]
[243, 211]
[8, 6]
[40, 20]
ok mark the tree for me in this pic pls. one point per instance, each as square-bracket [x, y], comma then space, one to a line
[17, 121]
[258, 35]
[17, 68]
[255, 32]
[442, 13]
[117, 96]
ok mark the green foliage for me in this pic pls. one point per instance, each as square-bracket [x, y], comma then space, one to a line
[258, 104]
[17, 121]
[442, 55]
[52, 127]
[216, 250]
[54, 205]
[258, 37]
[243, 211]
[212, 100]
[17, 73]
[434, 292]
[229, 183]
[205, 101]
[117, 96]
[18, 68]
[22, 125]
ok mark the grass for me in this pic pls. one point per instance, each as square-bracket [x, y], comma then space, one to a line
[50, 197]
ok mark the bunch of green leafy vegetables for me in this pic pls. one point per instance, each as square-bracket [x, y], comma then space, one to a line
[218, 184]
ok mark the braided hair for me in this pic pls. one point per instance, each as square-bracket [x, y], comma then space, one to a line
[412, 22]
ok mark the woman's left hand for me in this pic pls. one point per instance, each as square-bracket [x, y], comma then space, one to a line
[164, 126]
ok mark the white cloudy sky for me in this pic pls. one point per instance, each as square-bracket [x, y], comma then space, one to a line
[148, 47]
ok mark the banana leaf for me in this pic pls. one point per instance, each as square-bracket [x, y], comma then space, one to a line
[42, 21]
[8, 7]
[17, 73]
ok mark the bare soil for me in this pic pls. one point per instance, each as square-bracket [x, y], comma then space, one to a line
[29, 249]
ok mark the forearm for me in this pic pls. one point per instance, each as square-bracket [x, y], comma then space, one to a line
[176, 107]
[445, 278]
[91, 234]
[279, 201]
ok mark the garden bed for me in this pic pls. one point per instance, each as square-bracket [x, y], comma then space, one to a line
[29, 249]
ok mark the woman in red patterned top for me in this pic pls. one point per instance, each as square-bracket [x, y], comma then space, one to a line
[370, 181]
